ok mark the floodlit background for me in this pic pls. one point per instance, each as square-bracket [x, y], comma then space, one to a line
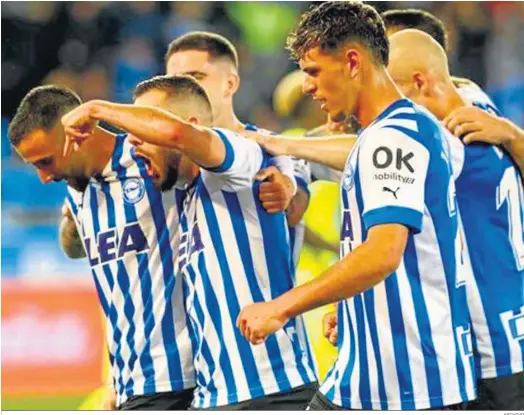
[52, 348]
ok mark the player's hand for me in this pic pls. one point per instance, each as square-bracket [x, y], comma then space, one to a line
[78, 127]
[259, 320]
[473, 124]
[274, 145]
[275, 193]
[330, 327]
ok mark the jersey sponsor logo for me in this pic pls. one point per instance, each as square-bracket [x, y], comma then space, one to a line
[383, 157]
[190, 242]
[134, 190]
[394, 176]
[112, 245]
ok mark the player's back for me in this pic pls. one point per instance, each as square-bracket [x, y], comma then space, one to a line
[233, 253]
[129, 230]
[491, 201]
[405, 343]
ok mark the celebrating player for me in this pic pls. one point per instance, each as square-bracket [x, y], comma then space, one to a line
[403, 320]
[489, 195]
[231, 251]
[129, 231]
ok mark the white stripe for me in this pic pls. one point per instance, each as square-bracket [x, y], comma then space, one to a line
[414, 346]
[387, 351]
[387, 123]
[258, 254]
[228, 336]
[241, 292]
[355, 374]
[372, 363]
[437, 300]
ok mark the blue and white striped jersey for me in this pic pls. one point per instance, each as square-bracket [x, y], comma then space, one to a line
[405, 343]
[491, 202]
[302, 174]
[129, 230]
[475, 96]
[234, 253]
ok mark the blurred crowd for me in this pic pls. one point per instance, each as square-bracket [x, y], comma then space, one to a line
[103, 49]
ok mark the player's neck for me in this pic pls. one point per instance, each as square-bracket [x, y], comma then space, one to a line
[228, 120]
[99, 150]
[377, 95]
[452, 100]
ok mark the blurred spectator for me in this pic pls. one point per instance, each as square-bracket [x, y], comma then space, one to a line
[103, 49]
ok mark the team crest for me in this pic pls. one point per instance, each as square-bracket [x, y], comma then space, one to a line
[348, 177]
[134, 190]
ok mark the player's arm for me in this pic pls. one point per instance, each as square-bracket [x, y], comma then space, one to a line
[69, 236]
[389, 216]
[366, 266]
[149, 124]
[331, 151]
[474, 124]
[318, 241]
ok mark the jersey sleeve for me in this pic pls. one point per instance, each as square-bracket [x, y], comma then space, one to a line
[243, 160]
[392, 169]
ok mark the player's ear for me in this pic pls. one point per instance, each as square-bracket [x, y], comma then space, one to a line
[233, 83]
[193, 120]
[353, 61]
[420, 83]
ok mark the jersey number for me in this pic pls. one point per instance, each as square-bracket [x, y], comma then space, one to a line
[510, 191]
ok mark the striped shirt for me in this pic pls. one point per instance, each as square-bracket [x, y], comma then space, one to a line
[232, 254]
[129, 230]
[405, 343]
[490, 199]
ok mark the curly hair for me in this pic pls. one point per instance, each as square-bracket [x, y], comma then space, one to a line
[331, 25]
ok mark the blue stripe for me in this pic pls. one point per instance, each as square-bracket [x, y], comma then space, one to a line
[205, 351]
[93, 204]
[394, 214]
[245, 351]
[345, 380]
[229, 156]
[146, 361]
[434, 382]
[292, 238]
[73, 205]
[129, 312]
[396, 105]
[400, 348]
[103, 300]
[168, 272]
[121, 275]
[369, 304]
[213, 308]
[364, 383]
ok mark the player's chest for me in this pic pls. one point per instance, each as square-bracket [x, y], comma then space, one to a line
[126, 217]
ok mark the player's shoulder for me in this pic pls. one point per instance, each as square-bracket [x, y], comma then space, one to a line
[407, 120]
[474, 95]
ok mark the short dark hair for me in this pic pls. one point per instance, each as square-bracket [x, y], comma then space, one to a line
[216, 45]
[42, 107]
[178, 88]
[417, 19]
[333, 24]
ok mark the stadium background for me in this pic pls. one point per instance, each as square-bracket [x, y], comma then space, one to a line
[52, 348]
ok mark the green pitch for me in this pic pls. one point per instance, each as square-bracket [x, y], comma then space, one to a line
[41, 403]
